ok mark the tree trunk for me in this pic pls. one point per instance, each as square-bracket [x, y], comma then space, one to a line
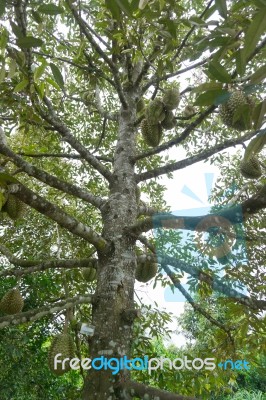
[115, 275]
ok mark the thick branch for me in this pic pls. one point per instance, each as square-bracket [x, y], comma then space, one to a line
[33, 315]
[49, 179]
[61, 155]
[234, 214]
[140, 390]
[195, 305]
[58, 215]
[196, 158]
[31, 266]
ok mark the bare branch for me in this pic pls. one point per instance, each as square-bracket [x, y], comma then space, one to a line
[61, 128]
[234, 214]
[58, 215]
[196, 158]
[61, 155]
[49, 179]
[33, 315]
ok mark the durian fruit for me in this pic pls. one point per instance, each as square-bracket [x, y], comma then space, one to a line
[146, 270]
[189, 111]
[155, 111]
[152, 134]
[171, 99]
[169, 121]
[62, 343]
[14, 207]
[12, 302]
[140, 105]
[229, 110]
[89, 274]
[251, 168]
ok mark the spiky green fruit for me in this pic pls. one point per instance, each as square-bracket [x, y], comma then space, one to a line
[189, 111]
[171, 99]
[152, 134]
[12, 302]
[237, 111]
[146, 270]
[14, 207]
[169, 121]
[89, 274]
[155, 111]
[61, 344]
[251, 168]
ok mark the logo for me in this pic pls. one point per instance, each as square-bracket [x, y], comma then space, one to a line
[207, 241]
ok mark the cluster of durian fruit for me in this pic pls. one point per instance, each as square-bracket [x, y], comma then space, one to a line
[159, 115]
[237, 113]
[12, 302]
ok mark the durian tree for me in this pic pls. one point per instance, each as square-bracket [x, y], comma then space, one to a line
[94, 95]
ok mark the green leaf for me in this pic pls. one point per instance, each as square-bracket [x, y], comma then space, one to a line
[219, 72]
[16, 30]
[115, 10]
[50, 9]
[53, 83]
[39, 71]
[124, 6]
[36, 16]
[21, 85]
[210, 97]
[6, 178]
[29, 41]
[259, 75]
[57, 75]
[221, 8]
[240, 62]
[254, 32]
[12, 69]
[2, 73]
[208, 86]
[2, 7]
[258, 114]
[256, 145]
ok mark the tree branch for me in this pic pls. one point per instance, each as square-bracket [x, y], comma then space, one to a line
[179, 138]
[49, 179]
[235, 214]
[33, 315]
[195, 305]
[61, 128]
[83, 26]
[196, 158]
[58, 215]
[61, 155]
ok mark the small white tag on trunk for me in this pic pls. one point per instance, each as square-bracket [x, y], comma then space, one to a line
[87, 329]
